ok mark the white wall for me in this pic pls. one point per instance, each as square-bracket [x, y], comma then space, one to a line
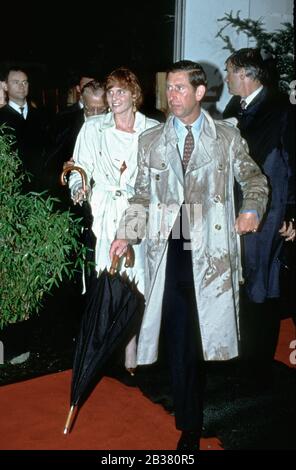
[197, 41]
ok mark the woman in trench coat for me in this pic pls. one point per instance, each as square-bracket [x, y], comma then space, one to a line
[106, 148]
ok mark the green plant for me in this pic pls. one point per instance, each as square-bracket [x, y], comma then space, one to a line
[278, 44]
[38, 245]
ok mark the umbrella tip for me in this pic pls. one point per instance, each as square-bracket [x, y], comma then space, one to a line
[68, 422]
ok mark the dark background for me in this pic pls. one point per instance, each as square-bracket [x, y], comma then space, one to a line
[56, 41]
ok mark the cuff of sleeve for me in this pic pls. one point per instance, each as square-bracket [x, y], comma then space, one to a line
[76, 187]
[251, 211]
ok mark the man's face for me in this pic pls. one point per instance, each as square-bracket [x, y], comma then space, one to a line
[17, 86]
[233, 80]
[183, 99]
[94, 104]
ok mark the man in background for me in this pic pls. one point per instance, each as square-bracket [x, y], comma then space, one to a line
[265, 122]
[28, 125]
[64, 133]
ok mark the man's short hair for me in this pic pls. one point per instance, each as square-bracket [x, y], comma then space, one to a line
[251, 60]
[196, 73]
[14, 68]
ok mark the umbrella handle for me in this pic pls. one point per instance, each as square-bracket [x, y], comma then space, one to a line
[69, 168]
[129, 260]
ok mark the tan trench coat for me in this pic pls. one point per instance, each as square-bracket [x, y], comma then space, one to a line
[219, 156]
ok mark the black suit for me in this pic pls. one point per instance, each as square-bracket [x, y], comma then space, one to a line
[30, 138]
[63, 138]
[267, 126]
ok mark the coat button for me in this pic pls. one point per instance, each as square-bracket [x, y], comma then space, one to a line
[218, 227]
[159, 205]
[217, 198]
[220, 167]
[157, 177]
[117, 193]
[163, 165]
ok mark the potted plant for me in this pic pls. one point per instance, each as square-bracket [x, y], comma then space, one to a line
[39, 245]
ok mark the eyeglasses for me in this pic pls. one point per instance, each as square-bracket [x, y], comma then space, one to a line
[92, 111]
[19, 82]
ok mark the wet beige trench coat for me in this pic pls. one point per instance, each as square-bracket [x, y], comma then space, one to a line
[219, 156]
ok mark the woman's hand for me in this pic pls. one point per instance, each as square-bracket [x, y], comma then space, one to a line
[79, 197]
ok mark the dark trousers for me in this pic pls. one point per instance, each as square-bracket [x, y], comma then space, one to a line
[182, 338]
[259, 331]
[259, 327]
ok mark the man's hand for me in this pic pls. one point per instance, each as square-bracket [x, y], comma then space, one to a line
[118, 247]
[246, 222]
[288, 231]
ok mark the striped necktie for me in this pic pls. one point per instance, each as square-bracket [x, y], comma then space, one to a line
[188, 147]
[243, 104]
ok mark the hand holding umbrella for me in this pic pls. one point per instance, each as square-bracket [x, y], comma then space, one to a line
[112, 316]
[80, 195]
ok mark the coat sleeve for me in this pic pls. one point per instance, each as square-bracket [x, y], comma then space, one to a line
[288, 151]
[247, 173]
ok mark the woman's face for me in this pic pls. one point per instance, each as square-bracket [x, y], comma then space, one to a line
[119, 99]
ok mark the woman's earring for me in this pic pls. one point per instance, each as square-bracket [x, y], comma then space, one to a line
[108, 109]
[134, 107]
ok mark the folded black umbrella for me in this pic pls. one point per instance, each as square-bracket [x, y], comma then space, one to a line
[112, 317]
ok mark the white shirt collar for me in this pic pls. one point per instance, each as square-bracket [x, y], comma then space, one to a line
[16, 107]
[249, 99]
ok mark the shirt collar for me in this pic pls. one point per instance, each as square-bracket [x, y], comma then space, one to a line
[249, 99]
[16, 106]
[181, 127]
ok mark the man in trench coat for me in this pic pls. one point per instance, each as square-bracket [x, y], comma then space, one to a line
[193, 271]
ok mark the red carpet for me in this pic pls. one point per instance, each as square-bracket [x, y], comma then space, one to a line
[115, 416]
[284, 347]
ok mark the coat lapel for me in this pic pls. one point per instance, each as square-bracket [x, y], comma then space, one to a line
[172, 152]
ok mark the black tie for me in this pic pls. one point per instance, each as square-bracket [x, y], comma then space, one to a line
[22, 111]
[188, 147]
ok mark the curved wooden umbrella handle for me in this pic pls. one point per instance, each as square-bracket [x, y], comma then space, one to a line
[69, 168]
[129, 260]
[129, 257]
